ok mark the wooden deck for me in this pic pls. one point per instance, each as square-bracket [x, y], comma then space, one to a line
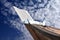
[40, 32]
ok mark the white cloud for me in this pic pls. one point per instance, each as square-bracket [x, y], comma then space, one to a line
[17, 24]
[51, 13]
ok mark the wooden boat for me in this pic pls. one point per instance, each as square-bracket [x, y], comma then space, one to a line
[38, 30]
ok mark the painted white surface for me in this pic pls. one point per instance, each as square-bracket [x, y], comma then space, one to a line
[25, 16]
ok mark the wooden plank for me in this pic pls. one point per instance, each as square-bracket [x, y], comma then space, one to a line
[37, 35]
[48, 29]
[32, 32]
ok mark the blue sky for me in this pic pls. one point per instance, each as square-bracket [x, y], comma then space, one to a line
[10, 24]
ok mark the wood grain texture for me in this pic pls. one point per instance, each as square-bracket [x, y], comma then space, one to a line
[39, 34]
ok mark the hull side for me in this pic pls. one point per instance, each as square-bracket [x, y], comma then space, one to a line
[39, 34]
